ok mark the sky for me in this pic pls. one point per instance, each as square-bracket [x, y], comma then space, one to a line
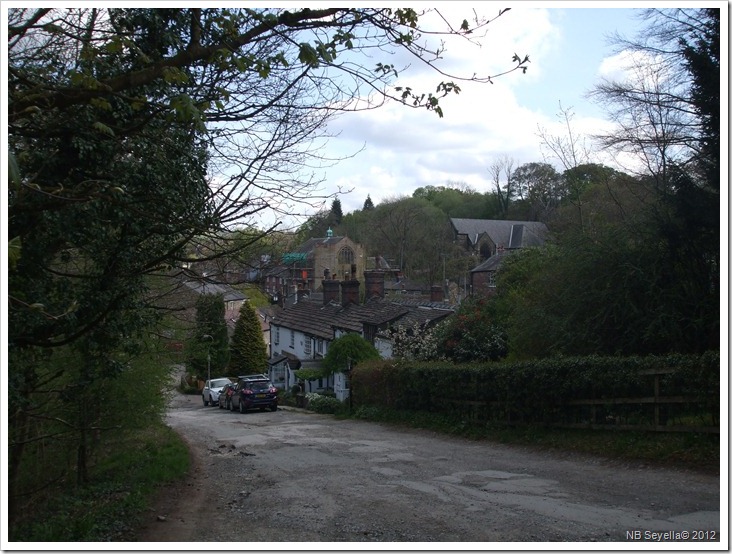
[396, 149]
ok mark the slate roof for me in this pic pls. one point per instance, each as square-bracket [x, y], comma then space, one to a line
[319, 320]
[202, 287]
[491, 264]
[506, 233]
[423, 315]
[420, 303]
[309, 245]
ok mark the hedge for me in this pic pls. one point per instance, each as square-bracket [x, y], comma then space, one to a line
[537, 391]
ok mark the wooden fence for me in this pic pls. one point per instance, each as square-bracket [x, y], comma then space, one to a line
[653, 411]
[658, 412]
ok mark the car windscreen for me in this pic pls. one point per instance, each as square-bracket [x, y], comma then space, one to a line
[217, 383]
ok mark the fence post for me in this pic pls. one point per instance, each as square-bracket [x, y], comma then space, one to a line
[656, 396]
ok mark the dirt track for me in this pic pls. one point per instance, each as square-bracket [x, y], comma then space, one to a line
[295, 476]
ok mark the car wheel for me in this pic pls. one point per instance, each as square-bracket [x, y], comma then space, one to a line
[231, 406]
[241, 407]
[273, 407]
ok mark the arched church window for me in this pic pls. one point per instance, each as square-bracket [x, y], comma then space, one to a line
[346, 255]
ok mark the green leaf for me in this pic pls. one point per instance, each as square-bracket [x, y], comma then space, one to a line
[13, 171]
[14, 251]
[102, 128]
[308, 55]
[174, 75]
[101, 103]
[138, 103]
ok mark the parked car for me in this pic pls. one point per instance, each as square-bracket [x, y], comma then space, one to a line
[255, 391]
[225, 395]
[254, 376]
[212, 389]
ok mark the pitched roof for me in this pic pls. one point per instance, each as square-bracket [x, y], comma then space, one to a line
[491, 264]
[203, 287]
[320, 320]
[503, 232]
[309, 245]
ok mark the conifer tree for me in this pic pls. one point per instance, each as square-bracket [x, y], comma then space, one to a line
[336, 212]
[210, 336]
[248, 350]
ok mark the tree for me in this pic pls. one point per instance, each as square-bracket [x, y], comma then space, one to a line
[667, 115]
[248, 350]
[210, 337]
[667, 102]
[137, 137]
[610, 287]
[455, 200]
[252, 88]
[701, 50]
[336, 212]
[539, 185]
[419, 342]
[473, 333]
[501, 172]
[368, 204]
[571, 150]
[396, 227]
[347, 351]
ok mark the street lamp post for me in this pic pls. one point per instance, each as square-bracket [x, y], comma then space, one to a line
[208, 357]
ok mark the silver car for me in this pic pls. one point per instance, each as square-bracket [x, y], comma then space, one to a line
[212, 389]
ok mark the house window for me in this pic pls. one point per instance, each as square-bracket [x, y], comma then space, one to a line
[292, 338]
[491, 278]
[277, 335]
[319, 346]
[308, 346]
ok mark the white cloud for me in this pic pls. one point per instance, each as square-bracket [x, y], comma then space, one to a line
[407, 148]
[404, 148]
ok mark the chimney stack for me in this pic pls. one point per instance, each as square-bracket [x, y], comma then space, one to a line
[437, 294]
[349, 292]
[374, 283]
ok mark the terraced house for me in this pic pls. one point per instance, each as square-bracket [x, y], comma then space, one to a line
[301, 332]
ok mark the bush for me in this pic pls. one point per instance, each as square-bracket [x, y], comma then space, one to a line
[323, 404]
[371, 413]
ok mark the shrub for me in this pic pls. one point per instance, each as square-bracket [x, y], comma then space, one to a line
[323, 404]
[367, 412]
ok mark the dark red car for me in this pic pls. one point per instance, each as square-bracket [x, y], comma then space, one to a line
[225, 396]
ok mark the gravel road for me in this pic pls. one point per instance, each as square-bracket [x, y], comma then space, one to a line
[294, 476]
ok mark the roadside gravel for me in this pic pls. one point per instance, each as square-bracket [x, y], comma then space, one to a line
[294, 476]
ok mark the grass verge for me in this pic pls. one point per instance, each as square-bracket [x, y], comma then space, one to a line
[121, 485]
[693, 451]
